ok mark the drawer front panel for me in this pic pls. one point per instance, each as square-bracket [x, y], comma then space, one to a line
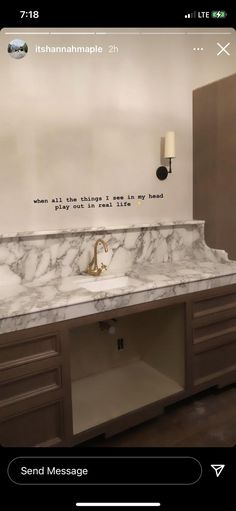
[214, 363]
[215, 334]
[214, 305]
[20, 388]
[28, 350]
[44, 425]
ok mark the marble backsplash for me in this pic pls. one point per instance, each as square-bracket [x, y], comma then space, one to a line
[43, 256]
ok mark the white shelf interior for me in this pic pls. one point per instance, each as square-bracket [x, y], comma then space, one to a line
[101, 397]
[108, 383]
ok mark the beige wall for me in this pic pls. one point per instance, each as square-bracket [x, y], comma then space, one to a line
[75, 125]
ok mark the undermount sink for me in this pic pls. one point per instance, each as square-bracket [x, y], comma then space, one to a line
[110, 283]
[103, 283]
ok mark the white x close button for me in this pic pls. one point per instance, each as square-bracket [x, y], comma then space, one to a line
[223, 49]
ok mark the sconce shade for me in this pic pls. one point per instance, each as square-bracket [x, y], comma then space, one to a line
[169, 145]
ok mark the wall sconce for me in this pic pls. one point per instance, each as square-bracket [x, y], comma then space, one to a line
[169, 152]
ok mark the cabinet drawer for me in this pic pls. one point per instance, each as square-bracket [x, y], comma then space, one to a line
[44, 425]
[214, 363]
[24, 350]
[214, 307]
[214, 334]
[23, 386]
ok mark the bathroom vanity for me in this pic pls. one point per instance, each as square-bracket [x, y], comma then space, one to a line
[82, 356]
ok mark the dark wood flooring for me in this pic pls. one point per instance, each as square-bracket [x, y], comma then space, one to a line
[205, 420]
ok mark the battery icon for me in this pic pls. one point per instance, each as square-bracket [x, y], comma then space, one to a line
[218, 14]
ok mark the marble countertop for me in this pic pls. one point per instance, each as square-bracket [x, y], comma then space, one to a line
[44, 301]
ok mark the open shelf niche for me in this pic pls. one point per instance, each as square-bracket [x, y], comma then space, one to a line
[121, 365]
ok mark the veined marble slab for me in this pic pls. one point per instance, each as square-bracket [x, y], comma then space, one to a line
[26, 258]
[41, 275]
[27, 305]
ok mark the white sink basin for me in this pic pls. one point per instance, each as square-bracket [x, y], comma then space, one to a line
[73, 282]
[110, 283]
[96, 284]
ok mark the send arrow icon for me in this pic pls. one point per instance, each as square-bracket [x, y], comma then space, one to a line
[218, 469]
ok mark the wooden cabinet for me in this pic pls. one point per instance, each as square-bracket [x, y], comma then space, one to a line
[33, 387]
[40, 426]
[17, 349]
[29, 381]
[52, 374]
[214, 364]
[214, 339]
[214, 156]
[123, 377]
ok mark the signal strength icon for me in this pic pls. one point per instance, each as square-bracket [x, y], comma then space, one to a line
[191, 15]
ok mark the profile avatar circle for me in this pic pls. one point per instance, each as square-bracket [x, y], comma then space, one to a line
[17, 49]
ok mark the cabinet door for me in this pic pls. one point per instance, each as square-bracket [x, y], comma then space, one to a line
[40, 427]
[24, 348]
[215, 364]
[214, 156]
[28, 382]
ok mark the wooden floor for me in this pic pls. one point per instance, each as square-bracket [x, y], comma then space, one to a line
[206, 420]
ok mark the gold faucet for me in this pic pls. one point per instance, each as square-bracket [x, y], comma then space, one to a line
[93, 268]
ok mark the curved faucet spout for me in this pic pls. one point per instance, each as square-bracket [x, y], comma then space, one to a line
[93, 268]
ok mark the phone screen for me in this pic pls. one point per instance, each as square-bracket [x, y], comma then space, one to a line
[118, 259]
